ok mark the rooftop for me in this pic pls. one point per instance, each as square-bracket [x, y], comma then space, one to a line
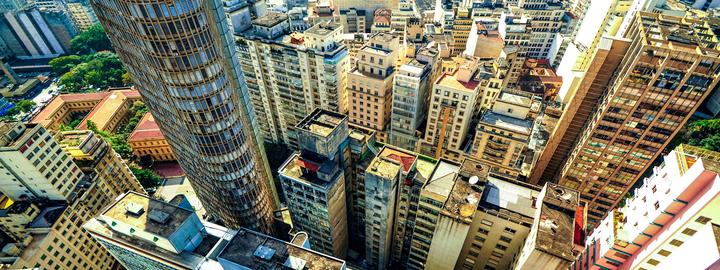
[384, 167]
[510, 198]
[660, 29]
[405, 157]
[147, 129]
[321, 122]
[323, 28]
[57, 103]
[19, 138]
[442, 180]
[507, 122]
[450, 80]
[270, 19]
[556, 228]
[463, 199]
[515, 99]
[310, 161]
[108, 107]
[257, 251]
[120, 211]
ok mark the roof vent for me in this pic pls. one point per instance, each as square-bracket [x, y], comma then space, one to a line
[159, 216]
[264, 252]
[135, 209]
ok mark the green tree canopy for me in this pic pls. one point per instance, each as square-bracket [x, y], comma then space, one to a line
[21, 106]
[704, 133]
[146, 177]
[89, 41]
[62, 65]
[102, 70]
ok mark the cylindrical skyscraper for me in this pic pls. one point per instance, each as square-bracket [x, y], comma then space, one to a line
[181, 58]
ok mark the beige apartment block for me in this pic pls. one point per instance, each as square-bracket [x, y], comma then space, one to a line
[668, 70]
[290, 74]
[501, 223]
[381, 180]
[313, 182]
[503, 134]
[95, 156]
[452, 106]
[370, 83]
[516, 30]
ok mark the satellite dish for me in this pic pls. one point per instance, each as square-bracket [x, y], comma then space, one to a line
[474, 179]
[567, 196]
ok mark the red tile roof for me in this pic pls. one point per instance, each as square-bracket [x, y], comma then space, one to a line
[146, 129]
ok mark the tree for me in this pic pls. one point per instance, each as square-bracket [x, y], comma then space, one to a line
[147, 178]
[95, 78]
[62, 65]
[63, 127]
[91, 40]
[704, 133]
[126, 78]
[22, 106]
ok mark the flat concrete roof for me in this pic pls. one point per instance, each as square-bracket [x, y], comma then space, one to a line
[177, 214]
[247, 247]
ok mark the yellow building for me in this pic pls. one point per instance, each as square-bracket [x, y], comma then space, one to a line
[148, 140]
[95, 157]
[461, 29]
[107, 109]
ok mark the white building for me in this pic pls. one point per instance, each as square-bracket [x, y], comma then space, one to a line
[33, 165]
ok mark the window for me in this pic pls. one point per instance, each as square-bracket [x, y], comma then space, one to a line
[487, 222]
[505, 239]
[676, 242]
[689, 231]
[653, 262]
[483, 231]
[664, 253]
[510, 231]
[510, 110]
[702, 219]
[501, 247]
[497, 254]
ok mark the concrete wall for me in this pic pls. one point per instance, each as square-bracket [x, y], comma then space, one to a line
[447, 242]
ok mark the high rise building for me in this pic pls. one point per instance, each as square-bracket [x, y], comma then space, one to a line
[461, 29]
[381, 181]
[298, 73]
[193, 85]
[96, 158]
[83, 15]
[47, 233]
[313, 182]
[669, 223]
[434, 221]
[516, 31]
[412, 86]
[669, 68]
[573, 119]
[35, 165]
[503, 133]
[557, 233]
[548, 18]
[34, 33]
[452, 106]
[370, 83]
